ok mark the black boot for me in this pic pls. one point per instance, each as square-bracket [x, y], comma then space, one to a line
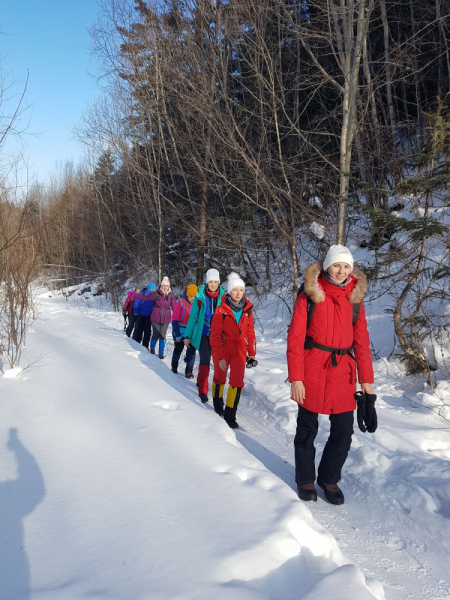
[333, 492]
[233, 397]
[188, 373]
[218, 398]
[203, 398]
[307, 492]
[175, 361]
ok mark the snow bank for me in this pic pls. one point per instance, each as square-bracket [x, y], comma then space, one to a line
[125, 486]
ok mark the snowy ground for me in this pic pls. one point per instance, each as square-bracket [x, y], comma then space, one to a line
[120, 484]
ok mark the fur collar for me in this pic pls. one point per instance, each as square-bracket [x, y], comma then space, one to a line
[316, 293]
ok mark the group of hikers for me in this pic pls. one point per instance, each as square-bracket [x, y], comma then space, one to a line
[217, 323]
[328, 346]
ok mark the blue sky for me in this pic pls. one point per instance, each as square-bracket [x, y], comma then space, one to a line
[49, 38]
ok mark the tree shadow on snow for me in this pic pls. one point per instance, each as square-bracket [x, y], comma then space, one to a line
[273, 463]
[178, 382]
[18, 498]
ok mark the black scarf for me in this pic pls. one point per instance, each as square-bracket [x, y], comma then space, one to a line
[235, 306]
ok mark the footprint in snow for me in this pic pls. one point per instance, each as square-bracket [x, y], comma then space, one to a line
[168, 405]
[253, 476]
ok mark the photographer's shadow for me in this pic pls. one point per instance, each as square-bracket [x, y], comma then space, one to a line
[18, 498]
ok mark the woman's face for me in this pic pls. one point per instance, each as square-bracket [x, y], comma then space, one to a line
[190, 299]
[213, 286]
[339, 272]
[165, 288]
[237, 294]
[138, 290]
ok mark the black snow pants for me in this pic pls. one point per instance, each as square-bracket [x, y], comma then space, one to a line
[143, 330]
[334, 454]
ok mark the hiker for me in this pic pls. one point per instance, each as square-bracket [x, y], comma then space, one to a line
[128, 311]
[164, 302]
[207, 300]
[323, 351]
[233, 343]
[143, 310]
[180, 319]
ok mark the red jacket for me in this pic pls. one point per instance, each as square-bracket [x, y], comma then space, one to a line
[229, 338]
[128, 306]
[329, 389]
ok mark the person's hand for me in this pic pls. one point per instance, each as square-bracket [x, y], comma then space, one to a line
[187, 342]
[367, 388]
[125, 314]
[298, 392]
[223, 364]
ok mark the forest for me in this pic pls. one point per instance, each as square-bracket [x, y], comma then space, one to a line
[250, 136]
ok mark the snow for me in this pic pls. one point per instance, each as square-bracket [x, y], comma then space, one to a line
[12, 373]
[315, 201]
[118, 483]
[317, 230]
[121, 484]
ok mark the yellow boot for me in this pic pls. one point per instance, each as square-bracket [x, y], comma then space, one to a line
[233, 397]
[217, 391]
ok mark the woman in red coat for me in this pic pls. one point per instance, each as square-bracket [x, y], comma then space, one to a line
[323, 380]
[232, 341]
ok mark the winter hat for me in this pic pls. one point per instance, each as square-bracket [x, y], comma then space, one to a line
[165, 281]
[212, 275]
[151, 286]
[338, 254]
[192, 290]
[234, 281]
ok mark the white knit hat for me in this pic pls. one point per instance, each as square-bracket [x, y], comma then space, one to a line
[338, 254]
[165, 281]
[234, 281]
[212, 275]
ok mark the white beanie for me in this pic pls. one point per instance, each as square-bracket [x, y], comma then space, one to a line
[212, 275]
[165, 281]
[338, 254]
[234, 281]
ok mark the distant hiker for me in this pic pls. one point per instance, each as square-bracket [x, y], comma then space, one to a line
[209, 297]
[143, 310]
[164, 303]
[327, 340]
[233, 342]
[128, 311]
[180, 319]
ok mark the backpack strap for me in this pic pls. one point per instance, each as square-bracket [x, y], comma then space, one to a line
[356, 311]
[310, 308]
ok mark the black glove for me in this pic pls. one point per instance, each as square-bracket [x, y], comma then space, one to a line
[125, 314]
[371, 413]
[251, 362]
[366, 414]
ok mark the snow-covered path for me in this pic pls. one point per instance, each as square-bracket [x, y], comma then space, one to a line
[407, 550]
[117, 483]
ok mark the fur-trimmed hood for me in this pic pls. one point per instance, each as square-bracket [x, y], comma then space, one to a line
[316, 293]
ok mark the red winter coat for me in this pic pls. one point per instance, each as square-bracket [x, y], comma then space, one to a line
[229, 338]
[329, 389]
[128, 306]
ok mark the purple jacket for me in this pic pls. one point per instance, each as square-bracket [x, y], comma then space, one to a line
[163, 306]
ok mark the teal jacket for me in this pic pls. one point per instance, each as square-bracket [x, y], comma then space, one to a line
[196, 321]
